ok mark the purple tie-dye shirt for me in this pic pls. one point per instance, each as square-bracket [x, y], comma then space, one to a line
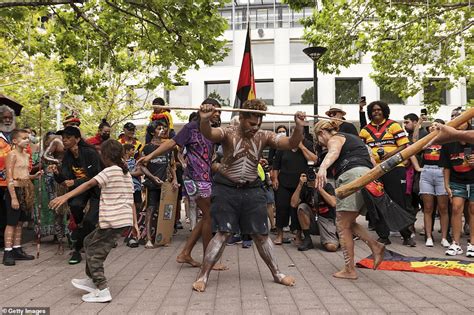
[199, 152]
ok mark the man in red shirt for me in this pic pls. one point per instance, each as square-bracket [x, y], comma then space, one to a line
[102, 135]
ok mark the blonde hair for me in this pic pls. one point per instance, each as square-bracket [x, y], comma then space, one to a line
[328, 125]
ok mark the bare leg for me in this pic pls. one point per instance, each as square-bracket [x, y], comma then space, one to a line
[456, 218]
[202, 227]
[428, 205]
[378, 249]
[279, 238]
[471, 222]
[271, 214]
[344, 222]
[265, 249]
[212, 255]
[17, 235]
[8, 235]
[444, 215]
[149, 213]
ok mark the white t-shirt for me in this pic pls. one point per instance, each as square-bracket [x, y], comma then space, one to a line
[116, 198]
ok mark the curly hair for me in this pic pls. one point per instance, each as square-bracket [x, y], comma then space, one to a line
[383, 106]
[255, 104]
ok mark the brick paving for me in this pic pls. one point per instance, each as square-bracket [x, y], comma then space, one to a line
[151, 282]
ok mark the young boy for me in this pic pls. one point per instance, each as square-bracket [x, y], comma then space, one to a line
[19, 197]
[116, 213]
[129, 152]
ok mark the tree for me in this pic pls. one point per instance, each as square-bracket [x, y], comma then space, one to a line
[410, 41]
[308, 96]
[99, 49]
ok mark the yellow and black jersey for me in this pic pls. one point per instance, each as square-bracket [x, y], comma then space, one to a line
[389, 135]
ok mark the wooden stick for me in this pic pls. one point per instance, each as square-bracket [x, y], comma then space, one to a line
[241, 110]
[391, 163]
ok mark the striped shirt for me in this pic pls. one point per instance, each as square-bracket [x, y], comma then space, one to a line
[116, 198]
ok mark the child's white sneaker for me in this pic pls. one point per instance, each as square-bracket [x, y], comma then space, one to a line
[429, 242]
[470, 250]
[454, 249]
[84, 284]
[445, 243]
[98, 296]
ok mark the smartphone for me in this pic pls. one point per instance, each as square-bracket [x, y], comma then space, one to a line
[467, 153]
[424, 111]
[362, 99]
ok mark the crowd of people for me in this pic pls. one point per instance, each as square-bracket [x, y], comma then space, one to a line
[98, 189]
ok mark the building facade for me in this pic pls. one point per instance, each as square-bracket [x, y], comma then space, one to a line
[284, 74]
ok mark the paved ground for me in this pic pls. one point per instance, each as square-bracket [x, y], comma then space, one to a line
[151, 282]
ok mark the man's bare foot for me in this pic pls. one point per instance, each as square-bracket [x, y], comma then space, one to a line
[378, 252]
[220, 267]
[149, 245]
[344, 274]
[199, 286]
[278, 240]
[286, 280]
[183, 259]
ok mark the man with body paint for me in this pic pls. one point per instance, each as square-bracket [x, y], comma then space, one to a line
[238, 198]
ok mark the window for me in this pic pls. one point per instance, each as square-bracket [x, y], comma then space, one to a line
[219, 90]
[296, 52]
[390, 97]
[469, 92]
[227, 15]
[180, 96]
[263, 52]
[229, 59]
[264, 90]
[348, 91]
[435, 91]
[301, 91]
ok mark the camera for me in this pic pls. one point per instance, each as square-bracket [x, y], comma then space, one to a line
[380, 152]
[311, 171]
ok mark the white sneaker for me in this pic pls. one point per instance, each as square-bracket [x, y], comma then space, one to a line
[84, 284]
[445, 243]
[429, 242]
[454, 249]
[98, 296]
[470, 250]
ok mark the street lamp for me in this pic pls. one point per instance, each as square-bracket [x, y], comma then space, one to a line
[315, 53]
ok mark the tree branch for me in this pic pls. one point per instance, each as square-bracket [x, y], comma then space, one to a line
[36, 3]
[91, 23]
[141, 18]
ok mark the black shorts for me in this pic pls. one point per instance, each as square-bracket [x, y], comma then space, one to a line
[16, 215]
[153, 198]
[239, 210]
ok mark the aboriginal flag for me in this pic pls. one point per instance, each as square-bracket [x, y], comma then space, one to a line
[438, 266]
[246, 85]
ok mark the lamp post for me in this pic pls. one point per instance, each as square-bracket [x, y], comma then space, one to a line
[315, 53]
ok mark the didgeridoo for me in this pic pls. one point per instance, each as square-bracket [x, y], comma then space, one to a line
[389, 164]
[241, 110]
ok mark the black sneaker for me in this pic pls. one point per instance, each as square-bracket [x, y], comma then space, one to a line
[384, 241]
[409, 242]
[8, 259]
[307, 245]
[132, 243]
[19, 254]
[179, 225]
[75, 258]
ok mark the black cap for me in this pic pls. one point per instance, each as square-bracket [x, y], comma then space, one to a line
[70, 131]
[130, 126]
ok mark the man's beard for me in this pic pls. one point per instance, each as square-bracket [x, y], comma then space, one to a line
[7, 129]
[105, 137]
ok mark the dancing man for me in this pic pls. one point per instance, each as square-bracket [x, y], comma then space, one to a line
[238, 198]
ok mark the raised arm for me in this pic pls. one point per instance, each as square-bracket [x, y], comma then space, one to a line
[288, 143]
[48, 153]
[216, 135]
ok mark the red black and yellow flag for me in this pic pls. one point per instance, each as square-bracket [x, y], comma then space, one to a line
[437, 266]
[246, 85]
